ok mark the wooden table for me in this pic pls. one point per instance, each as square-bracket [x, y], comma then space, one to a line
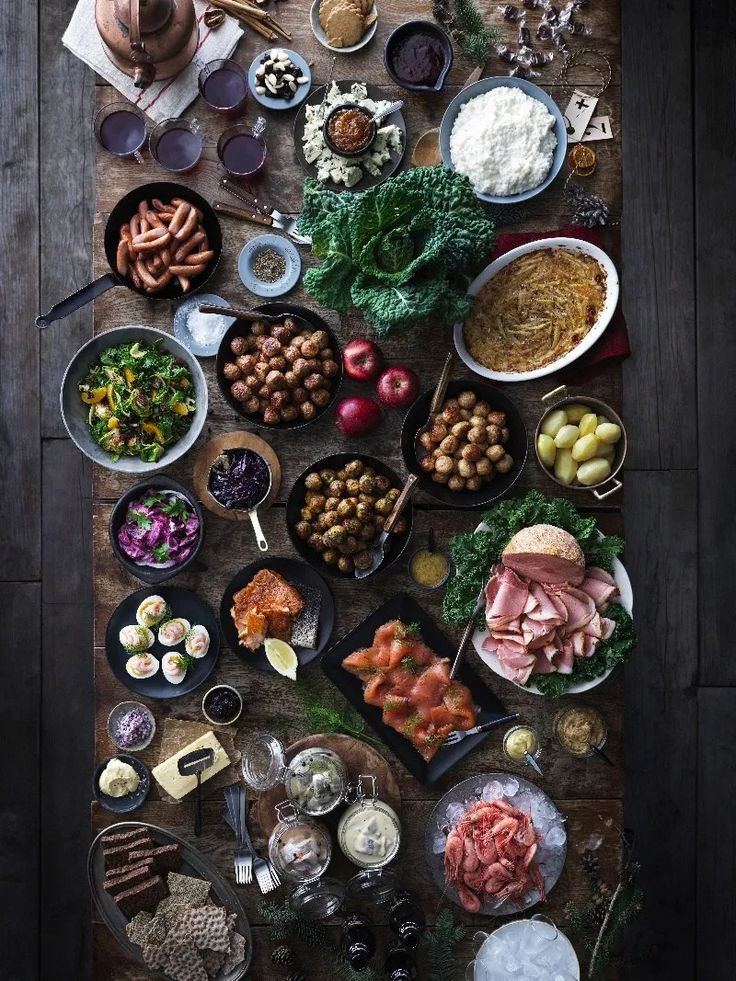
[590, 794]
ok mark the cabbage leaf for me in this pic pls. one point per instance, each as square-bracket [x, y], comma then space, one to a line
[402, 252]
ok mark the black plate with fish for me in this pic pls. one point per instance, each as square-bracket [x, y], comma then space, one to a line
[403, 607]
[183, 603]
[299, 575]
[367, 180]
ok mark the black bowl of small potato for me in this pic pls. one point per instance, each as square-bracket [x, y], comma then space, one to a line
[479, 441]
[354, 494]
[266, 378]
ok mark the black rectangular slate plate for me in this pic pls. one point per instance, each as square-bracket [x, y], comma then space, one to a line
[403, 607]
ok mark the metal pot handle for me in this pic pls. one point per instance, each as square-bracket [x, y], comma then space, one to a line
[557, 393]
[144, 68]
[617, 485]
[79, 299]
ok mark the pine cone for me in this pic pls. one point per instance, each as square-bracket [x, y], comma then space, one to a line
[296, 977]
[591, 863]
[282, 956]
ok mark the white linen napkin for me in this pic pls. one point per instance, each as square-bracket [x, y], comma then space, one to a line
[169, 97]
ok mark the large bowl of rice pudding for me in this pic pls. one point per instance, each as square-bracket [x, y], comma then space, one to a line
[507, 136]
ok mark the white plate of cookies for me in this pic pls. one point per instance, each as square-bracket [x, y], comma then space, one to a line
[344, 25]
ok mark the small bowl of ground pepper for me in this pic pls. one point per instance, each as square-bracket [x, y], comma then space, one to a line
[269, 265]
[349, 129]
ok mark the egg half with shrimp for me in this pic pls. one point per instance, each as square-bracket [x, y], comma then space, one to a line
[174, 667]
[152, 611]
[197, 642]
[173, 632]
[135, 639]
[143, 665]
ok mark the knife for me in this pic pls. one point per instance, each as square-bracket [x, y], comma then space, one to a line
[469, 628]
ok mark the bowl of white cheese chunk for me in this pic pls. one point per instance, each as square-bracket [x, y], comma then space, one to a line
[507, 136]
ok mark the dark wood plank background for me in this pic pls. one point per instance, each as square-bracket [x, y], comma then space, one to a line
[678, 249]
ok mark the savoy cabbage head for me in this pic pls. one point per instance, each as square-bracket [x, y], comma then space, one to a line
[402, 252]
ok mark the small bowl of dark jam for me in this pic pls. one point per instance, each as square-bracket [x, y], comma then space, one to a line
[349, 130]
[222, 705]
[239, 479]
[418, 56]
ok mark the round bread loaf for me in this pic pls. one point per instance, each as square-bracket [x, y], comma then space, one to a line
[545, 553]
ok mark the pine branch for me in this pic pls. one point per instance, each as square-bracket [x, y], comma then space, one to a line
[439, 943]
[476, 37]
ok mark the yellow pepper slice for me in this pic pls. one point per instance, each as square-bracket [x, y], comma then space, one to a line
[184, 383]
[129, 375]
[180, 408]
[152, 428]
[113, 422]
[94, 397]
[111, 397]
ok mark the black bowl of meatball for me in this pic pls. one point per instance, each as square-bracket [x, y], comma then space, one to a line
[336, 510]
[476, 449]
[281, 374]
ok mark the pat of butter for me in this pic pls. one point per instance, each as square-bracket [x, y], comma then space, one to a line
[167, 773]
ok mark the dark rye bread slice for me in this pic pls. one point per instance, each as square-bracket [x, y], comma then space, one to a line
[144, 895]
[113, 874]
[166, 857]
[127, 880]
[118, 855]
[121, 837]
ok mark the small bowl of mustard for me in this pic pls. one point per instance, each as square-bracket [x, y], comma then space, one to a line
[429, 568]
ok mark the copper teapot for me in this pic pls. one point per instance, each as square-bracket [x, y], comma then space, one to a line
[148, 39]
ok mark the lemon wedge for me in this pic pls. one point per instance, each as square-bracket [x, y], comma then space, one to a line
[282, 657]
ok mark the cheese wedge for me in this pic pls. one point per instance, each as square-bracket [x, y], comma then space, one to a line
[167, 773]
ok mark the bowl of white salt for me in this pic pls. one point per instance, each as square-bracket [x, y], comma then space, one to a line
[201, 333]
[507, 136]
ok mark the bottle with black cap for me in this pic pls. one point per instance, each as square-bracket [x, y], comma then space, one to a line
[400, 965]
[405, 918]
[359, 943]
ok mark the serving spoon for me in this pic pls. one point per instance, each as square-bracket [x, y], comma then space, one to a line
[240, 313]
[434, 406]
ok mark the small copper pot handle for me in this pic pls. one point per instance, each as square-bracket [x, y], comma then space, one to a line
[144, 69]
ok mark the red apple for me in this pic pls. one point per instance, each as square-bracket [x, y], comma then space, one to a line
[397, 387]
[363, 360]
[357, 415]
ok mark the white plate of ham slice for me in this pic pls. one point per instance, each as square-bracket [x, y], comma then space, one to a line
[550, 613]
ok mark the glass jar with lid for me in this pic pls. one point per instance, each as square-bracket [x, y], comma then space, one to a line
[316, 780]
[299, 848]
[369, 831]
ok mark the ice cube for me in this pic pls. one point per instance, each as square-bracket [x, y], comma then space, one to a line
[438, 843]
[510, 787]
[555, 837]
[492, 790]
[454, 812]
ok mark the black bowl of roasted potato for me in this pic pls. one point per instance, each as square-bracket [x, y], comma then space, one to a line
[474, 451]
[280, 374]
[336, 510]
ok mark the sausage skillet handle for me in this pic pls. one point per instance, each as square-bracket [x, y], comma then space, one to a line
[252, 216]
[77, 300]
[401, 501]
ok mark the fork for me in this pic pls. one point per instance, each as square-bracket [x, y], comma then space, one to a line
[242, 858]
[459, 734]
[246, 856]
[266, 875]
[278, 219]
[243, 867]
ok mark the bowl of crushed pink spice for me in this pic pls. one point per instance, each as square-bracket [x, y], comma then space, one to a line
[131, 726]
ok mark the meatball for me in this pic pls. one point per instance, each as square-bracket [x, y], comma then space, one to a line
[277, 364]
[472, 452]
[291, 353]
[307, 410]
[335, 536]
[466, 469]
[477, 435]
[493, 433]
[271, 416]
[282, 332]
[313, 382]
[320, 338]
[367, 532]
[260, 371]
[279, 400]
[252, 405]
[461, 429]
[438, 431]
[383, 506]
[346, 508]
[504, 464]
[301, 367]
[239, 345]
[350, 545]
[246, 363]
[313, 481]
[291, 380]
[450, 444]
[310, 349]
[330, 368]
[484, 468]
[275, 380]
[451, 412]
[467, 400]
[327, 354]
[426, 464]
[270, 347]
[474, 483]
[505, 433]
[231, 371]
[240, 391]
[382, 484]
[481, 409]
[440, 478]
[321, 398]
[444, 465]
[258, 328]
[456, 483]
[495, 453]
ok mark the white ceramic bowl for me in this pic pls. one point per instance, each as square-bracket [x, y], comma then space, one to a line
[612, 291]
[626, 599]
[319, 32]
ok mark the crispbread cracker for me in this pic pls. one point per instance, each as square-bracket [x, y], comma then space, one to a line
[344, 27]
[327, 6]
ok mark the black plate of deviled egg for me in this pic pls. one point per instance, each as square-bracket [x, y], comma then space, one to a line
[162, 642]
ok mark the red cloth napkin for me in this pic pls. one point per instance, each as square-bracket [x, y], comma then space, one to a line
[614, 344]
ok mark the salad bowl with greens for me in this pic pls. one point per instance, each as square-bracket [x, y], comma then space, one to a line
[134, 399]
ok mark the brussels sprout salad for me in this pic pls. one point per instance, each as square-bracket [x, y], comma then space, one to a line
[141, 400]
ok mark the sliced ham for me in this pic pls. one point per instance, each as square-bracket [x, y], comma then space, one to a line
[541, 626]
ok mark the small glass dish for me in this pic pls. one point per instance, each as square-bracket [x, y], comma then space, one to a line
[116, 718]
[431, 554]
[513, 734]
[299, 848]
[578, 728]
[208, 697]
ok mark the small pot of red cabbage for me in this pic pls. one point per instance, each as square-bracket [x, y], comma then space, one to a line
[160, 530]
